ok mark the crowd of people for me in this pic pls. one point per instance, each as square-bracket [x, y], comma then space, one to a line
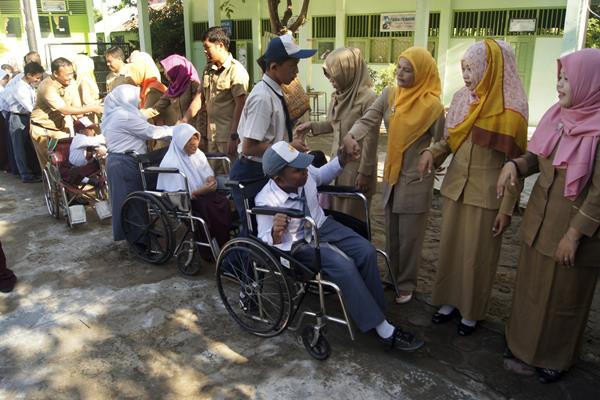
[484, 130]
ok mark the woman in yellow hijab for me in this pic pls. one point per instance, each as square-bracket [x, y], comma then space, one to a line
[348, 74]
[486, 125]
[413, 115]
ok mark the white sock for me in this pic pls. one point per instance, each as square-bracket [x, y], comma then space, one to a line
[385, 329]
[446, 309]
[85, 179]
[468, 322]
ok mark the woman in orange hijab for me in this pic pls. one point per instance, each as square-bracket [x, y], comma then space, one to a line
[485, 126]
[413, 115]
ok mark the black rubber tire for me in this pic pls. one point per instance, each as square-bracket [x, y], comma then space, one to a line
[147, 227]
[268, 307]
[50, 195]
[321, 350]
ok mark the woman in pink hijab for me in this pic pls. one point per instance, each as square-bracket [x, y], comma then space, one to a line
[183, 95]
[560, 254]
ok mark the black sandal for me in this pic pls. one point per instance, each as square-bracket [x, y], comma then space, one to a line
[549, 375]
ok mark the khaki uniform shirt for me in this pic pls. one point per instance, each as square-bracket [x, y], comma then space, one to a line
[51, 97]
[411, 195]
[472, 175]
[219, 88]
[113, 80]
[549, 214]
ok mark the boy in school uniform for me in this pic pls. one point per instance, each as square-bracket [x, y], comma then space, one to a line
[86, 148]
[347, 259]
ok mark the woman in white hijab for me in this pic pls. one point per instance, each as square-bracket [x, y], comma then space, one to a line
[207, 203]
[126, 131]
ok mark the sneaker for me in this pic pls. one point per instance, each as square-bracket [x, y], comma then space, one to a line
[401, 340]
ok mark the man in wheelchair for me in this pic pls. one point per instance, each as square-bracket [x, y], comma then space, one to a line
[347, 259]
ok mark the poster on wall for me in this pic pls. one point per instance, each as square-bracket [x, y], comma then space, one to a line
[54, 5]
[403, 22]
[522, 25]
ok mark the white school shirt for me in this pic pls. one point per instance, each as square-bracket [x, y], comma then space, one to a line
[21, 98]
[273, 196]
[263, 118]
[79, 145]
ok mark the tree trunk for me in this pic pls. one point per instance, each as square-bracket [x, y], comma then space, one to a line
[279, 26]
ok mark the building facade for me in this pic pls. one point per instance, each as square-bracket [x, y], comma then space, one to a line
[535, 28]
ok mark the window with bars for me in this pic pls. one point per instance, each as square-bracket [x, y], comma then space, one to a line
[13, 27]
[10, 7]
[485, 23]
[364, 32]
[323, 32]
[45, 27]
[241, 29]
[198, 29]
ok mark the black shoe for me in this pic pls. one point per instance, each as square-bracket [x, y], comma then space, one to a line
[401, 340]
[548, 375]
[465, 330]
[439, 318]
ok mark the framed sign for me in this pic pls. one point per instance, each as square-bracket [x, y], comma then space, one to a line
[54, 5]
[403, 22]
[522, 25]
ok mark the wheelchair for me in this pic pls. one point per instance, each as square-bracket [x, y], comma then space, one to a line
[263, 287]
[62, 196]
[159, 225]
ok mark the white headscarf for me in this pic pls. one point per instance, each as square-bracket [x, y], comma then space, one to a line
[194, 167]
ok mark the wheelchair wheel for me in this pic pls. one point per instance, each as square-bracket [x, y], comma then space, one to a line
[253, 288]
[147, 227]
[318, 347]
[50, 195]
[188, 260]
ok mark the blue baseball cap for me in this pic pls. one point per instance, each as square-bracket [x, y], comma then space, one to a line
[281, 155]
[284, 46]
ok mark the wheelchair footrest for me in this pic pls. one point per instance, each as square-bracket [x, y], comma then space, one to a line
[77, 214]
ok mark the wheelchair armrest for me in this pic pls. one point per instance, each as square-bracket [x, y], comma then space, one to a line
[159, 170]
[290, 212]
[336, 189]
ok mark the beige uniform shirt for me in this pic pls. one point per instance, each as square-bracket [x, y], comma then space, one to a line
[411, 195]
[113, 80]
[219, 88]
[51, 97]
[472, 175]
[549, 214]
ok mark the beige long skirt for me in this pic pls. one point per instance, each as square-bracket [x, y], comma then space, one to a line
[468, 259]
[550, 309]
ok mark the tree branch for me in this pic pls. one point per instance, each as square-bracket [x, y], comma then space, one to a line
[301, 17]
[276, 26]
[287, 14]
